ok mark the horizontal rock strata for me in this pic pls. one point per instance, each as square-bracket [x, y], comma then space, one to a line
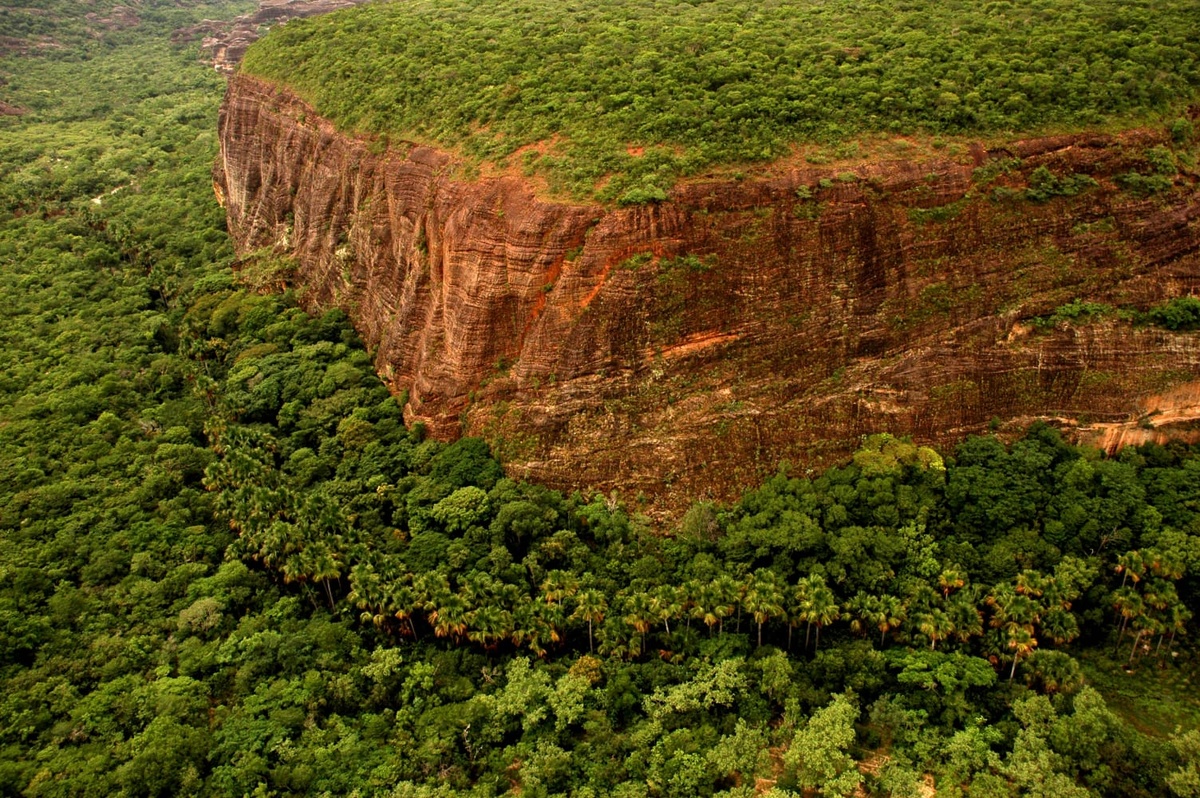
[683, 349]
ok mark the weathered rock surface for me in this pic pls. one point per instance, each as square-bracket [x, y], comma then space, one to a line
[225, 42]
[683, 349]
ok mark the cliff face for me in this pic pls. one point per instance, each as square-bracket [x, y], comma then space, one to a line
[683, 349]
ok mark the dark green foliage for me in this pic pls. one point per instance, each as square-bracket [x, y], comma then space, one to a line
[229, 569]
[1077, 311]
[719, 82]
[1157, 176]
[1045, 185]
[1143, 185]
[940, 213]
[1182, 131]
[1181, 313]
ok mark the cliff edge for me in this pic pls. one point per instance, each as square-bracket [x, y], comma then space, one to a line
[684, 348]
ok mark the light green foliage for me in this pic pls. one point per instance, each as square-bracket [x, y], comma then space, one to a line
[777, 676]
[461, 510]
[818, 753]
[1054, 750]
[699, 84]
[743, 753]
[898, 781]
[525, 697]
[883, 454]
[968, 752]
[567, 699]
[1185, 782]
[544, 768]
[951, 676]
[713, 686]
[1081, 735]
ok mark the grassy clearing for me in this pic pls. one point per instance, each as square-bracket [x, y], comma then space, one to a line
[1155, 700]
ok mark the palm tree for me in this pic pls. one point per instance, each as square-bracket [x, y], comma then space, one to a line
[1010, 607]
[1145, 625]
[638, 614]
[590, 606]
[764, 597]
[664, 605]
[1030, 583]
[861, 611]
[550, 621]
[1165, 565]
[559, 585]
[402, 601]
[1021, 642]
[1130, 564]
[1129, 605]
[449, 616]
[686, 596]
[367, 592]
[478, 588]
[325, 569]
[298, 567]
[965, 616]
[705, 601]
[728, 593]
[822, 610]
[935, 624]
[1177, 622]
[1058, 594]
[508, 595]
[428, 586]
[892, 613]
[950, 580]
[528, 629]
[1060, 626]
[488, 625]
[615, 636]
[1160, 596]
[802, 601]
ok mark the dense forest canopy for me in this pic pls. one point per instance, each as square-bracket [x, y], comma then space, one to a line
[639, 91]
[228, 568]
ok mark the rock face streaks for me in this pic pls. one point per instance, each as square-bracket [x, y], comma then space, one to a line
[685, 348]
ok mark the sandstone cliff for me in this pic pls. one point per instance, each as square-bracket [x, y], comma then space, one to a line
[683, 349]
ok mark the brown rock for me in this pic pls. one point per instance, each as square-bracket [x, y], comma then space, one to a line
[683, 349]
[225, 42]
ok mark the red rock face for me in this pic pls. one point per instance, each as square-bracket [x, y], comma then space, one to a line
[683, 349]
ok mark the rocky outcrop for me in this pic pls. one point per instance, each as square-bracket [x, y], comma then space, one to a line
[683, 349]
[225, 42]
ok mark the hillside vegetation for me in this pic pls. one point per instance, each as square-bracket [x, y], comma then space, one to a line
[227, 568]
[727, 81]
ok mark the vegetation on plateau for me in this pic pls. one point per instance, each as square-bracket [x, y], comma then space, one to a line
[227, 568]
[694, 84]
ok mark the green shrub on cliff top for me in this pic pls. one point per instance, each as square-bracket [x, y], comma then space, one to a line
[726, 81]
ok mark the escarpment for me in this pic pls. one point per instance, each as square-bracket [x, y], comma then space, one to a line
[685, 348]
